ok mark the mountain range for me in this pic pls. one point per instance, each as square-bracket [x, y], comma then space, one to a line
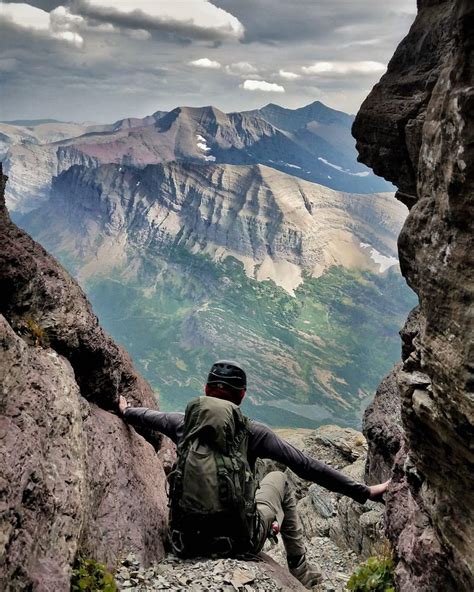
[194, 242]
[313, 143]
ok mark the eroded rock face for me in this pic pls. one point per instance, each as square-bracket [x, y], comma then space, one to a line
[383, 430]
[416, 129]
[280, 227]
[74, 476]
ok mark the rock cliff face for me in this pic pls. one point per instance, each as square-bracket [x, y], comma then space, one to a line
[416, 129]
[276, 224]
[31, 169]
[69, 467]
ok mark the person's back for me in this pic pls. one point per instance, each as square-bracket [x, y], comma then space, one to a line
[212, 487]
[208, 420]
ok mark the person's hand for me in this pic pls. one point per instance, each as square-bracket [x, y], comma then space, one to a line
[123, 404]
[377, 491]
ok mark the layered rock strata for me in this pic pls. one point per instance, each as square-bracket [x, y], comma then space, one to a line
[75, 478]
[312, 143]
[279, 226]
[416, 129]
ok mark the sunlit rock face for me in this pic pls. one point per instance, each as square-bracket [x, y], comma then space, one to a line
[33, 152]
[277, 225]
[312, 143]
[416, 129]
[74, 477]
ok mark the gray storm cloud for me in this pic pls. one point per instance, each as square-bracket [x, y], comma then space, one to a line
[171, 29]
[153, 56]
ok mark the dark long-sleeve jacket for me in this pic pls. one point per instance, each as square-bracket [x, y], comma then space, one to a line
[263, 443]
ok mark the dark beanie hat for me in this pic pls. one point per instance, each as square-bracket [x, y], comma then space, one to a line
[227, 373]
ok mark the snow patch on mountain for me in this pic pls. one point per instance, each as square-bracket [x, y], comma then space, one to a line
[382, 260]
[339, 168]
[202, 145]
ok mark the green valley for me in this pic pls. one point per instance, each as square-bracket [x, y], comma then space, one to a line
[312, 358]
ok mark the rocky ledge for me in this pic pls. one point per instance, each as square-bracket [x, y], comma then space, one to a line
[197, 575]
[416, 129]
[339, 532]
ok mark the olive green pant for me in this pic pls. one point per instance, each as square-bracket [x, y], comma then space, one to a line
[276, 501]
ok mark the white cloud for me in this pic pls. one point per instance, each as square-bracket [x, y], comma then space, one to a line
[26, 16]
[288, 75]
[71, 37]
[205, 63]
[241, 68]
[139, 34]
[58, 24]
[263, 86]
[61, 19]
[105, 28]
[68, 83]
[364, 67]
[195, 13]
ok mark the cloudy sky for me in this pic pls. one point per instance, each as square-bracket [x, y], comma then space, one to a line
[101, 60]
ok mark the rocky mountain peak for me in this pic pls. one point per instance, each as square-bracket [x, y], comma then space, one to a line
[312, 143]
[204, 116]
[292, 120]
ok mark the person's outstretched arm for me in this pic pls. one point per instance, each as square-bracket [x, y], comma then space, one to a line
[166, 423]
[266, 444]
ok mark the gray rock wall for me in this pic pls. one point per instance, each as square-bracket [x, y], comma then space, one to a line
[416, 129]
[74, 477]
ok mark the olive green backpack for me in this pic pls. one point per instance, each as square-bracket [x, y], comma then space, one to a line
[212, 487]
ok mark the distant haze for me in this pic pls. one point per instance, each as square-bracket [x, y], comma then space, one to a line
[101, 60]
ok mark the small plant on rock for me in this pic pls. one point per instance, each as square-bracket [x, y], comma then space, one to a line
[34, 333]
[90, 576]
[377, 574]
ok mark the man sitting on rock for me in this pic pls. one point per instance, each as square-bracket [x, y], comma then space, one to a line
[217, 507]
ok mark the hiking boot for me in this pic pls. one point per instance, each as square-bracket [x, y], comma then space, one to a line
[308, 575]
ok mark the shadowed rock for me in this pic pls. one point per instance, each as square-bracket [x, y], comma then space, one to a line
[74, 476]
[416, 129]
[383, 429]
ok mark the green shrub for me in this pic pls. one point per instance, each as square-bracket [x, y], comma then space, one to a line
[90, 576]
[375, 575]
